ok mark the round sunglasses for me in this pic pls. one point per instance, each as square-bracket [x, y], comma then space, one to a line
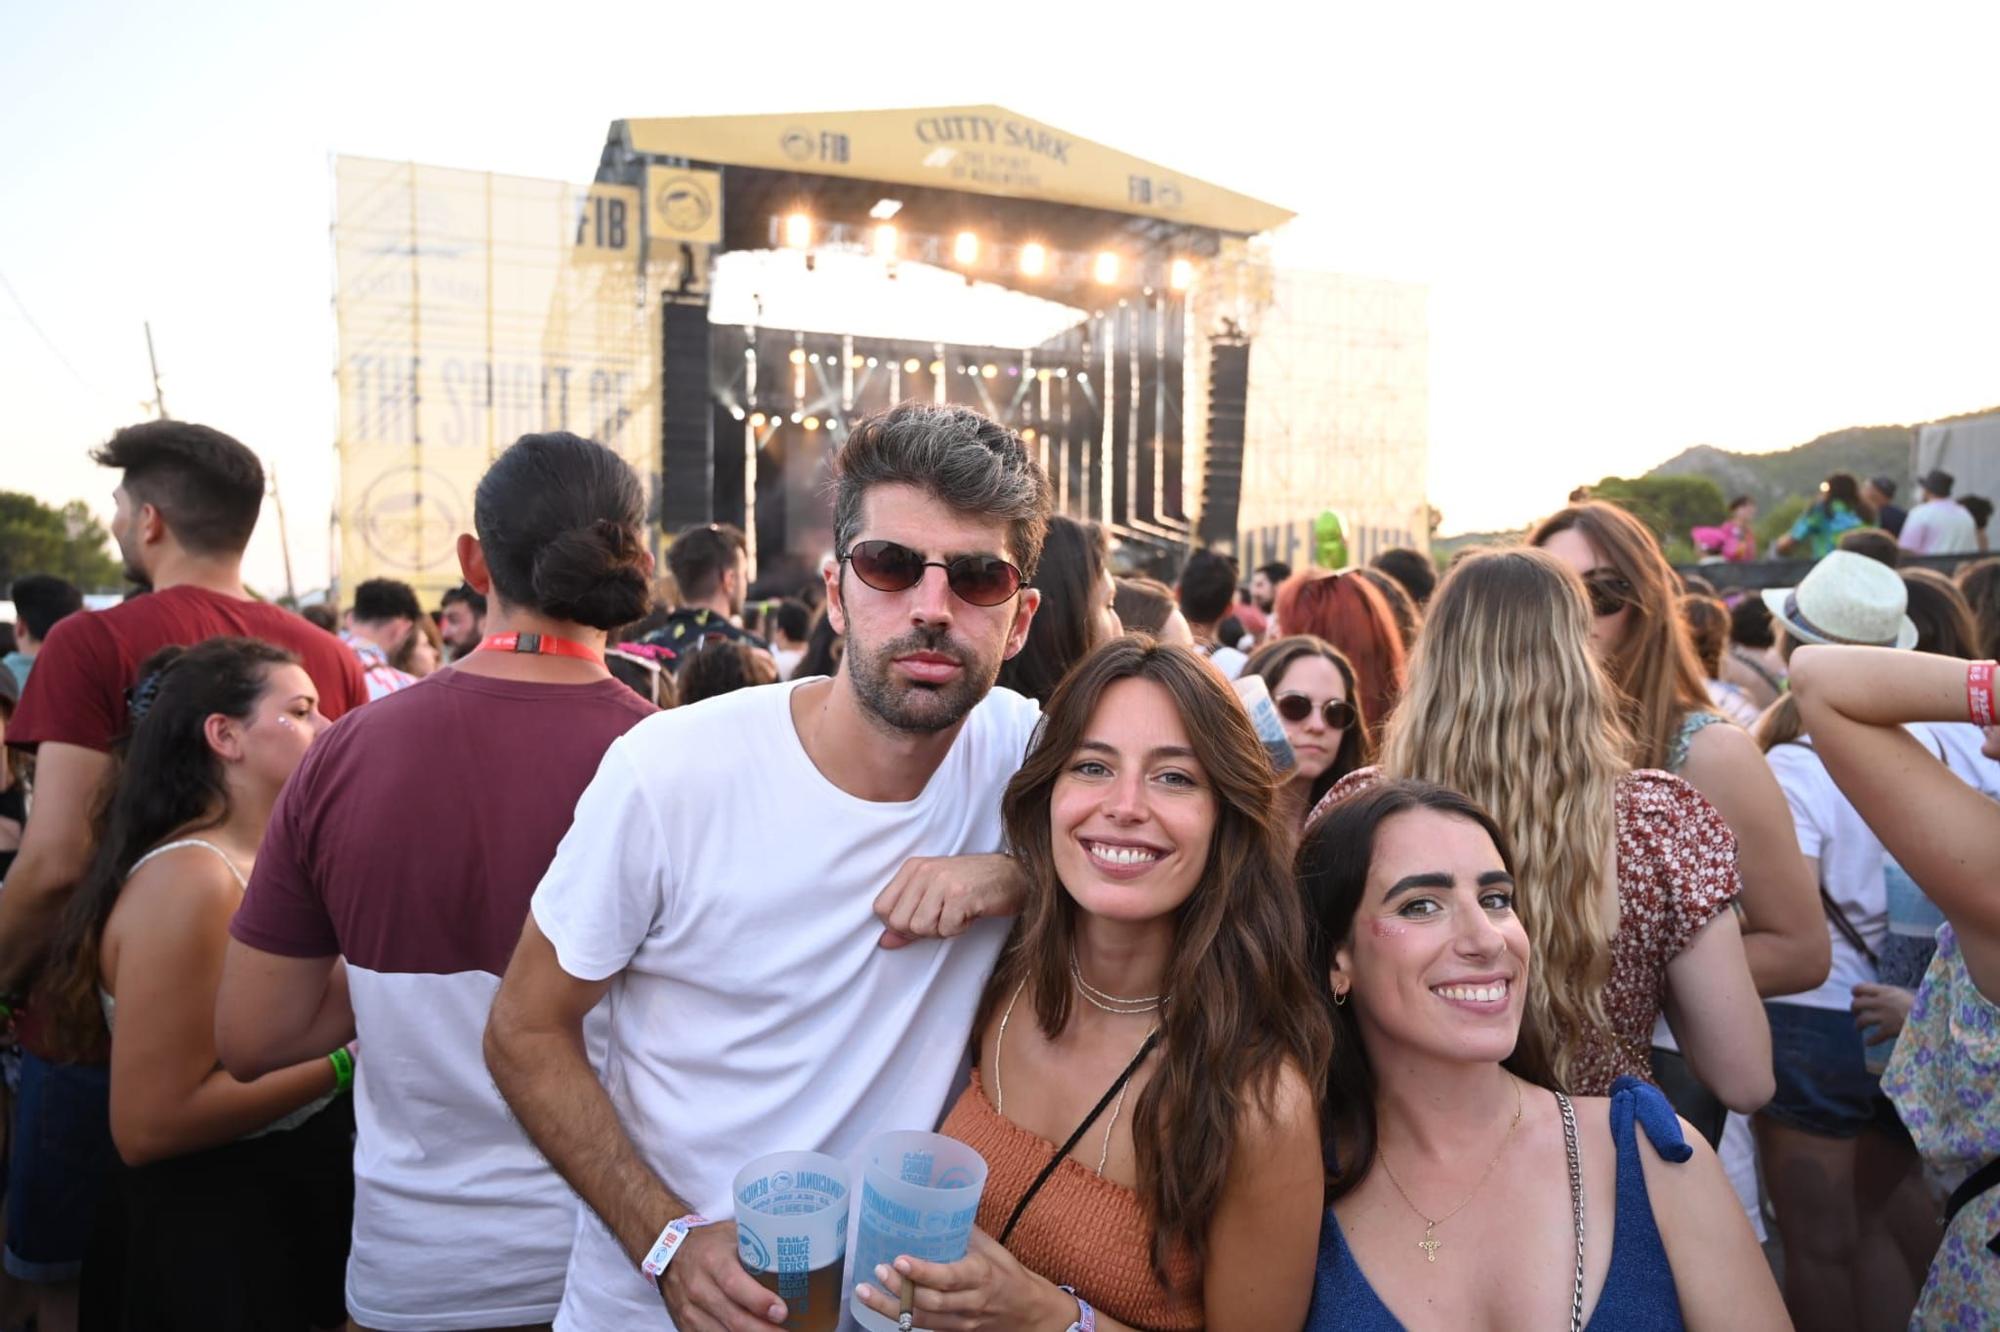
[1337, 713]
[1609, 592]
[886, 566]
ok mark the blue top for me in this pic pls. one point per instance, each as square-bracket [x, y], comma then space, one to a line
[1638, 1292]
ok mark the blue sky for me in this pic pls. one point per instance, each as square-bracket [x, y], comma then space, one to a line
[1731, 224]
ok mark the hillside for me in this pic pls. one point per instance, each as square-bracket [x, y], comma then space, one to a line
[1769, 478]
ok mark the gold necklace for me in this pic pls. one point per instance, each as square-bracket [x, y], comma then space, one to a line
[1430, 1243]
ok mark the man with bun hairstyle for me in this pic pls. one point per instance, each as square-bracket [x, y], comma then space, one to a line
[385, 902]
[751, 1002]
[187, 499]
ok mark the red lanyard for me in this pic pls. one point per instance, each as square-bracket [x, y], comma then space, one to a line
[546, 644]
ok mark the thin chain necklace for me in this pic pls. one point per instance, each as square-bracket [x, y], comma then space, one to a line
[1000, 1093]
[1430, 1243]
[1112, 1003]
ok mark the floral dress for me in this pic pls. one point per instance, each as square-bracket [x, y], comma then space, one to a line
[1941, 1079]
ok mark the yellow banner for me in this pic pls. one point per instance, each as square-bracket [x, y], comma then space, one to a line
[684, 205]
[471, 309]
[607, 223]
[976, 149]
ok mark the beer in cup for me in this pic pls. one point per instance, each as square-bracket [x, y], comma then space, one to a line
[791, 1233]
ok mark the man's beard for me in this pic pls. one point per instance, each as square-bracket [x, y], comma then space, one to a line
[905, 705]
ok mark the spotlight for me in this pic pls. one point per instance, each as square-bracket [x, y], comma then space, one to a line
[872, 363]
[937, 367]
[854, 362]
[814, 358]
[1028, 435]
[885, 242]
[885, 209]
[1106, 268]
[757, 420]
[965, 249]
[798, 231]
[1033, 260]
[798, 356]
[812, 423]
[1042, 375]
[736, 412]
[832, 424]
[988, 371]
[1180, 275]
[798, 417]
[911, 366]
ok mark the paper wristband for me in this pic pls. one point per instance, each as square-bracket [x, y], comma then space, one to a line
[1979, 692]
[669, 1243]
[1086, 1317]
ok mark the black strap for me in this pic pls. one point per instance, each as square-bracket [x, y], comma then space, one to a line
[1152, 1039]
[1978, 1182]
[1846, 927]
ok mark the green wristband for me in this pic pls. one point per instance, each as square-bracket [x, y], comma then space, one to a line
[343, 1069]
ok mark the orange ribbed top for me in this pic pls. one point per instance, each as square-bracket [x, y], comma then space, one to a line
[1081, 1230]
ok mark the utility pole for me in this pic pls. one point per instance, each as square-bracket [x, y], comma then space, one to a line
[284, 540]
[159, 398]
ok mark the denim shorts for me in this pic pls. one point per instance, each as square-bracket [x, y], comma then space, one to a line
[61, 1156]
[1823, 1082]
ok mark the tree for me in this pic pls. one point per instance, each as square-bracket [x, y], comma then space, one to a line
[1670, 505]
[67, 542]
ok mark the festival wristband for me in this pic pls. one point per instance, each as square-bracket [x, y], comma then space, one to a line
[1979, 692]
[343, 1069]
[669, 1244]
[1086, 1317]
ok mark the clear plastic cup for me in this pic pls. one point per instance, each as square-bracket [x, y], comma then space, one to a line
[920, 1196]
[791, 1233]
[1256, 696]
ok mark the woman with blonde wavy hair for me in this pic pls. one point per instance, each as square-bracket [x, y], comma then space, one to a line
[1625, 878]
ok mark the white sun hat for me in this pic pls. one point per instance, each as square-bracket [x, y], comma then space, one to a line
[1848, 599]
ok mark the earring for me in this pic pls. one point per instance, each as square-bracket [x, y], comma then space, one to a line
[1339, 998]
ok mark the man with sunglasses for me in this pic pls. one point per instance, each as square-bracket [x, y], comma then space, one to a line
[753, 1008]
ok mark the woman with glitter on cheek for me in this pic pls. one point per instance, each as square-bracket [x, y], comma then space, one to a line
[1464, 1189]
[248, 1183]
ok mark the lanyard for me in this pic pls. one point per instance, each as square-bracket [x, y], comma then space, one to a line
[544, 644]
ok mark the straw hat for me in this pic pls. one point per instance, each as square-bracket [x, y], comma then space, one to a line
[1847, 598]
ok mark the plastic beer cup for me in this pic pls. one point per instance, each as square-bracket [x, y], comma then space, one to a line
[919, 1195]
[791, 1233]
[1256, 696]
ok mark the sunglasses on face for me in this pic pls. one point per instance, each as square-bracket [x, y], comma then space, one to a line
[1337, 713]
[981, 580]
[1609, 592]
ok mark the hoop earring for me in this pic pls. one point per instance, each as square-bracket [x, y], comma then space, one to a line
[1339, 998]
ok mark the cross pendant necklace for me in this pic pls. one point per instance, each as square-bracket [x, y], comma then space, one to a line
[1430, 1243]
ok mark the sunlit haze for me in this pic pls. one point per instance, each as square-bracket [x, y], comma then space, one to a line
[1641, 229]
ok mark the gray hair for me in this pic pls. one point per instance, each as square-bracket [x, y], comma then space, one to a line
[970, 463]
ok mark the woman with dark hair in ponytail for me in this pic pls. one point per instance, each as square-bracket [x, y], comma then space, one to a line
[419, 877]
[233, 1206]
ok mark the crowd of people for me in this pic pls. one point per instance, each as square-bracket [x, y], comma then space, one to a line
[1595, 944]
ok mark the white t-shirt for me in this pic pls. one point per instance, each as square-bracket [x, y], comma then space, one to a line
[728, 888]
[1851, 862]
[1958, 744]
[1940, 527]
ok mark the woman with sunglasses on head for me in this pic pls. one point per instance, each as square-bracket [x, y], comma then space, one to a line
[1313, 688]
[1639, 638]
[1149, 1047]
[1463, 1188]
[1625, 877]
[233, 1206]
[1858, 704]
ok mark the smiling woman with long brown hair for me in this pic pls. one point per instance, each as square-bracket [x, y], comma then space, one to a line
[1153, 1014]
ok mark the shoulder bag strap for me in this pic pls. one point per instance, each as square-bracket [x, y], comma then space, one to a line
[1076, 1137]
[1846, 927]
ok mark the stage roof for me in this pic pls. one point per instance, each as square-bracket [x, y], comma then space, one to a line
[985, 150]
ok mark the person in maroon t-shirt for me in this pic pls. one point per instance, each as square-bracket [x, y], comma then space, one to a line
[185, 508]
[381, 884]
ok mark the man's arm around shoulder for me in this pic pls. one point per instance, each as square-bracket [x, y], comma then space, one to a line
[55, 853]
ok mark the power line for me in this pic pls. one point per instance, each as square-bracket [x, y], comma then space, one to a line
[50, 342]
